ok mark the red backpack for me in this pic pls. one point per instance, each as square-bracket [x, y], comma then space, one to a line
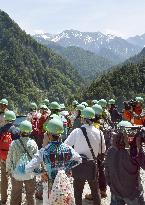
[5, 141]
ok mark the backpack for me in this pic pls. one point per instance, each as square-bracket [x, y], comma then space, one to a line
[5, 142]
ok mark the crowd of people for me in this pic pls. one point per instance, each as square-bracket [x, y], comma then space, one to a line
[94, 143]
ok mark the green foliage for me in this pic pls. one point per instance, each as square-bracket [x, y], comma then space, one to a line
[88, 64]
[120, 83]
[29, 71]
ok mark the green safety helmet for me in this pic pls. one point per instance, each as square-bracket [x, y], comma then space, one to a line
[42, 106]
[111, 102]
[88, 113]
[62, 106]
[103, 103]
[55, 116]
[124, 123]
[85, 104]
[94, 102]
[25, 126]
[54, 126]
[33, 105]
[139, 99]
[4, 101]
[75, 102]
[9, 116]
[54, 106]
[46, 102]
[98, 109]
[80, 107]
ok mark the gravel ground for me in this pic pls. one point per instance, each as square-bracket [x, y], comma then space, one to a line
[86, 190]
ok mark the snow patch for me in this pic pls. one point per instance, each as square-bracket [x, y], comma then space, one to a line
[45, 36]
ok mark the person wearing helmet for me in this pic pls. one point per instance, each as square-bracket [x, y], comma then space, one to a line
[73, 114]
[45, 113]
[84, 103]
[122, 168]
[97, 124]
[75, 103]
[33, 116]
[55, 155]
[55, 108]
[77, 121]
[138, 115]
[98, 115]
[115, 115]
[105, 114]
[33, 111]
[3, 108]
[8, 132]
[46, 102]
[78, 140]
[94, 102]
[20, 152]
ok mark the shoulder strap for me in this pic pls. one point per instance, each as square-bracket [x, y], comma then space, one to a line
[101, 140]
[21, 142]
[88, 142]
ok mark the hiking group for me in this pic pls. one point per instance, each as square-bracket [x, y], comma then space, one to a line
[54, 151]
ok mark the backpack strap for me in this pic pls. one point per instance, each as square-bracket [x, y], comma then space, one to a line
[21, 142]
[88, 142]
[101, 140]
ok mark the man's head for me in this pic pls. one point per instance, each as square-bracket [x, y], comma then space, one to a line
[3, 104]
[54, 127]
[33, 107]
[9, 116]
[103, 103]
[88, 114]
[25, 128]
[79, 108]
[43, 109]
[55, 107]
[120, 137]
[75, 103]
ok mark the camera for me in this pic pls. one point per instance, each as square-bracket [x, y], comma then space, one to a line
[129, 104]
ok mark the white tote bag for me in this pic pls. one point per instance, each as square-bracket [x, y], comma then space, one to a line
[62, 191]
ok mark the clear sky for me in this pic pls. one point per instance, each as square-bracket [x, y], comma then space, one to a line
[120, 17]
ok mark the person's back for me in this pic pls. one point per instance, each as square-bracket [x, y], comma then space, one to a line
[55, 155]
[58, 156]
[123, 172]
[21, 151]
[77, 139]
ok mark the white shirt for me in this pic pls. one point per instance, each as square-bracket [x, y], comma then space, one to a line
[77, 139]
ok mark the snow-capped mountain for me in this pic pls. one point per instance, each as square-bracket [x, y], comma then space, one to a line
[137, 40]
[92, 41]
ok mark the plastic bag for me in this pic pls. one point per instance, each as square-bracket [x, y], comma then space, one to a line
[19, 171]
[62, 190]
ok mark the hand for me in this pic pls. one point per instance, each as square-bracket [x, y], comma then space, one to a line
[69, 173]
[7, 174]
[21, 169]
[44, 177]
